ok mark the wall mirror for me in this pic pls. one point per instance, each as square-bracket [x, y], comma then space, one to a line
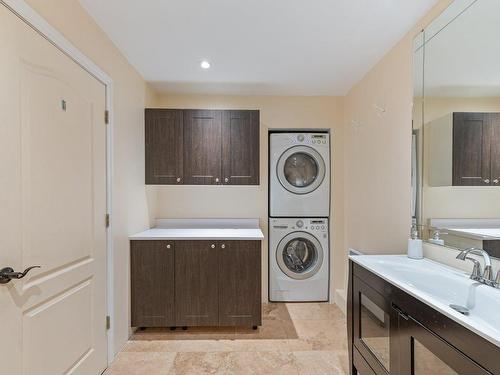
[456, 127]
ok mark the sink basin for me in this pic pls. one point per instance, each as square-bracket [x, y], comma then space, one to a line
[440, 286]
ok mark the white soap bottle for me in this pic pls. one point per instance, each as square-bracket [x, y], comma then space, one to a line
[415, 250]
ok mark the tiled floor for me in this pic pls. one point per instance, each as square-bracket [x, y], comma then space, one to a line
[294, 339]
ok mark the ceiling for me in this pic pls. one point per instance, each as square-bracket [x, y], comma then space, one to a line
[258, 47]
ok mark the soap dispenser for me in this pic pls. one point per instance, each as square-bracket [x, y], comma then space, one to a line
[415, 250]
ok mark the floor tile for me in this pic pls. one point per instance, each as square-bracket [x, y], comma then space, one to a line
[140, 363]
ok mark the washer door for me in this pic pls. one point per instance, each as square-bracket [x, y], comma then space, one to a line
[301, 169]
[299, 255]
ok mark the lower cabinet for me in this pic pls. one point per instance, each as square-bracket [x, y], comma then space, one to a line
[195, 283]
[390, 332]
[152, 283]
[239, 283]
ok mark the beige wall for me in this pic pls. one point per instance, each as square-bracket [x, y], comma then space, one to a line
[248, 201]
[130, 96]
[377, 151]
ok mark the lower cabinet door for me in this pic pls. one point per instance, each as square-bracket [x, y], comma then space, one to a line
[240, 283]
[424, 353]
[375, 329]
[196, 283]
[152, 283]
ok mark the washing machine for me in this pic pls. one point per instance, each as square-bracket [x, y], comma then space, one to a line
[299, 175]
[298, 260]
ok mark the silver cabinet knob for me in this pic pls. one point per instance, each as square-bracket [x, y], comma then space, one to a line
[486, 180]
[223, 246]
[212, 246]
[226, 179]
[169, 246]
[217, 179]
[496, 181]
[178, 179]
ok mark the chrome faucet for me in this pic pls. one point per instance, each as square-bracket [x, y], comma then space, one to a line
[487, 275]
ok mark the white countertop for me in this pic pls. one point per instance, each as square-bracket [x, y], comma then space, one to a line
[438, 286]
[476, 233]
[202, 229]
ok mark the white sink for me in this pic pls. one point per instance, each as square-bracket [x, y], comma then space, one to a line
[440, 286]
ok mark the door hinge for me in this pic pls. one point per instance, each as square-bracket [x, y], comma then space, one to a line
[107, 220]
[106, 117]
[108, 322]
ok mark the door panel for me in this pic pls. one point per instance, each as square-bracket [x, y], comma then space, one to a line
[196, 283]
[240, 147]
[471, 149]
[495, 148]
[239, 283]
[53, 162]
[152, 280]
[423, 353]
[202, 147]
[164, 146]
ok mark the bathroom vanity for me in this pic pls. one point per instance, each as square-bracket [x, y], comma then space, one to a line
[400, 320]
[197, 272]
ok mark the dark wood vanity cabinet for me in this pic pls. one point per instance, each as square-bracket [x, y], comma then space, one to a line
[196, 283]
[202, 147]
[476, 149]
[391, 332]
[152, 283]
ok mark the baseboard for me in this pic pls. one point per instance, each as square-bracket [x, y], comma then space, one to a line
[341, 300]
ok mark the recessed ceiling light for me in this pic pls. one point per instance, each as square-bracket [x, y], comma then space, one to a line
[205, 64]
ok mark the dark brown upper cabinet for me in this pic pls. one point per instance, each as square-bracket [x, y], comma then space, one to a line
[240, 147]
[202, 147]
[164, 144]
[476, 149]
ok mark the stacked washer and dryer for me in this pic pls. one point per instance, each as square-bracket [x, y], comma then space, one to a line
[299, 209]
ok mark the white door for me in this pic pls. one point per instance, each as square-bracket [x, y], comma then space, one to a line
[52, 208]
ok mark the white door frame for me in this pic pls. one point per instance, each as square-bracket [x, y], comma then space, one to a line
[39, 24]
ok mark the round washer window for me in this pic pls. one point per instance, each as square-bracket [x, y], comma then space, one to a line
[300, 169]
[299, 255]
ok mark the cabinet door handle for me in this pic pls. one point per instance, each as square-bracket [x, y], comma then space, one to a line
[223, 246]
[486, 180]
[496, 181]
[178, 179]
[217, 179]
[226, 179]
[169, 246]
[212, 246]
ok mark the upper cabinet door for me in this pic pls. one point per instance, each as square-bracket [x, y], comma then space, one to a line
[240, 147]
[471, 149]
[495, 148]
[164, 144]
[202, 147]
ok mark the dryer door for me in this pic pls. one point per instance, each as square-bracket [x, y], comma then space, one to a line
[301, 169]
[299, 255]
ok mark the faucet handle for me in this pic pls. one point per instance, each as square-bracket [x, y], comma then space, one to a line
[488, 275]
[476, 271]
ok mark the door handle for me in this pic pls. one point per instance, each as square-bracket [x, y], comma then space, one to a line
[486, 180]
[7, 274]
